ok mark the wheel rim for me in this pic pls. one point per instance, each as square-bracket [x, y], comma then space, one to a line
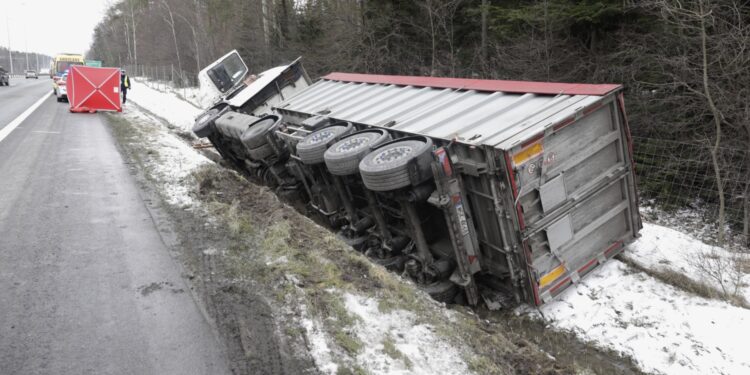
[393, 154]
[352, 144]
[319, 137]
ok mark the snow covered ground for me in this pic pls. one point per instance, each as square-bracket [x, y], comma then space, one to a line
[397, 333]
[666, 330]
[172, 162]
[662, 248]
[165, 104]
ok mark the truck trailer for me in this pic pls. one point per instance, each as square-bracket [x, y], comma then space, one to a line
[488, 191]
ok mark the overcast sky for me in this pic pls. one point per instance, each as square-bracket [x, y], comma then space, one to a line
[50, 26]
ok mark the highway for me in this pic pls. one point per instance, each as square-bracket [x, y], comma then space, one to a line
[87, 285]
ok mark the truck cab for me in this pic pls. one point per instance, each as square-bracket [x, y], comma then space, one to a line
[227, 82]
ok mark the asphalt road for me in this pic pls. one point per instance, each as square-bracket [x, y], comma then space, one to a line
[21, 93]
[87, 285]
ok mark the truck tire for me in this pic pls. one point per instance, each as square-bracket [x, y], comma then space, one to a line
[204, 124]
[442, 291]
[260, 153]
[255, 136]
[311, 148]
[387, 168]
[344, 156]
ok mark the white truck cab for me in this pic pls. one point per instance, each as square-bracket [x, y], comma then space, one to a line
[226, 86]
[218, 80]
[228, 82]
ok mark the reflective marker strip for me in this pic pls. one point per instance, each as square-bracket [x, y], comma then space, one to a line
[551, 276]
[528, 153]
[18, 120]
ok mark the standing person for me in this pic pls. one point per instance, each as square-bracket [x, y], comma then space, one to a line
[124, 85]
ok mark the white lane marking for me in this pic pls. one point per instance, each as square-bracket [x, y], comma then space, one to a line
[18, 120]
[44, 131]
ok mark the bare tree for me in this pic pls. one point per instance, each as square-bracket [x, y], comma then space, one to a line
[717, 122]
[133, 11]
[171, 23]
[196, 49]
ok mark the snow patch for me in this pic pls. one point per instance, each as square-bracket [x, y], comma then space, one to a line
[317, 343]
[662, 248]
[664, 329]
[166, 105]
[173, 161]
[426, 352]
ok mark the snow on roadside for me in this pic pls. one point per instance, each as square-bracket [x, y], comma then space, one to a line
[664, 329]
[318, 342]
[168, 106]
[426, 352]
[662, 248]
[188, 94]
[175, 159]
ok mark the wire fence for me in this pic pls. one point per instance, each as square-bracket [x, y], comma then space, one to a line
[164, 74]
[167, 79]
[678, 185]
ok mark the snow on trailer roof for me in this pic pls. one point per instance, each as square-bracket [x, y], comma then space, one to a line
[481, 112]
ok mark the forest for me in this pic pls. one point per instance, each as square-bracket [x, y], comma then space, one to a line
[683, 63]
[23, 60]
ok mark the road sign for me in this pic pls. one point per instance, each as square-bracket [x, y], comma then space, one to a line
[94, 63]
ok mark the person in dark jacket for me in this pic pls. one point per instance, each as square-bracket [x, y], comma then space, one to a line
[124, 85]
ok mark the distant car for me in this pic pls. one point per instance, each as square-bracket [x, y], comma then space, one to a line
[4, 78]
[44, 72]
[61, 90]
[31, 74]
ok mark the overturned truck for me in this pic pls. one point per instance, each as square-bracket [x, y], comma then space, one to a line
[477, 190]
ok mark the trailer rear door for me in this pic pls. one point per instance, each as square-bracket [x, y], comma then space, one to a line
[574, 188]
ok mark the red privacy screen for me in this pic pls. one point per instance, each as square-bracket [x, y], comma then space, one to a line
[93, 89]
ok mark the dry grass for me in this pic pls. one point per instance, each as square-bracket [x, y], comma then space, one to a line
[683, 282]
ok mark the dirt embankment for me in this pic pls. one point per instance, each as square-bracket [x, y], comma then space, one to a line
[262, 270]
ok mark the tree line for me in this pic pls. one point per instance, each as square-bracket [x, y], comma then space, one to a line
[23, 61]
[684, 64]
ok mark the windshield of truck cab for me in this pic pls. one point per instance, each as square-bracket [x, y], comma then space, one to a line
[65, 65]
[228, 73]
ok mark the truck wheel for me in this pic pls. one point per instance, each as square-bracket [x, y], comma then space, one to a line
[387, 168]
[255, 136]
[441, 291]
[261, 152]
[344, 156]
[311, 148]
[204, 124]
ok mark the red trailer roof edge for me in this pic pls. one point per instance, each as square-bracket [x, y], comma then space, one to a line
[546, 88]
